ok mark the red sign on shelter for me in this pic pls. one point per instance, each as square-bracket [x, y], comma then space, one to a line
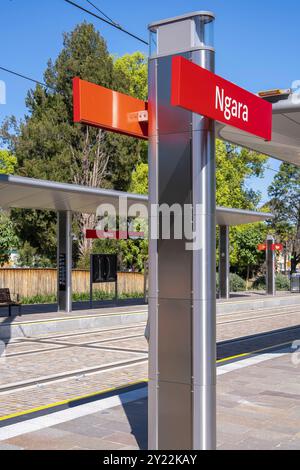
[202, 92]
[274, 247]
[262, 247]
[113, 234]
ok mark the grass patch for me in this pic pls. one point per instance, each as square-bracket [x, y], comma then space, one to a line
[79, 297]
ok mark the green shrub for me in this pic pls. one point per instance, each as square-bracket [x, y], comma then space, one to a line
[237, 284]
[97, 295]
[39, 299]
[282, 283]
[259, 283]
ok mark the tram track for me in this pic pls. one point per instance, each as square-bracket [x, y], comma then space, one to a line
[59, 345]
[85, 332]
[55, 341]
[69, 374]
[225, 349]
[64, 383]
[258, 317]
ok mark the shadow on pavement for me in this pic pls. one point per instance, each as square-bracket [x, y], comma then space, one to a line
[137, 415]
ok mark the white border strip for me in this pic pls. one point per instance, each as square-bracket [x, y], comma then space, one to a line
[36, 424]
[79, 411]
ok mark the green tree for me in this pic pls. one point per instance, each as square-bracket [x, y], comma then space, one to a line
[245, 258]
[8, 162]
[44, 238]
[29, 258]
[8, 238]
[132, 254]
[139, 179]
[234, 167]
[128, 152]
[285, 204]
[135, 68]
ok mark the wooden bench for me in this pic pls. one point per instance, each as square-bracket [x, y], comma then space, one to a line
[6, 301]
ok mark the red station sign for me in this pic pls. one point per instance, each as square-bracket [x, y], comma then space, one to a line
[262, 247]
[274, 247]
[202, 92]
[192, 87]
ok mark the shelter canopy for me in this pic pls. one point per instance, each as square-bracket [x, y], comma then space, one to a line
[285, 143]
[26, 193]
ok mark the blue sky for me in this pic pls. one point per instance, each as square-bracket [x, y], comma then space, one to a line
[257, 42]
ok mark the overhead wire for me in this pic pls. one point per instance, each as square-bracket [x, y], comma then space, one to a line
[109, 22]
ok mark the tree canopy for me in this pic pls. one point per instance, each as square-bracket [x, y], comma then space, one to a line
[8, 162]
[285, 204]
[234, 166]
[48, 145]
[8, 238]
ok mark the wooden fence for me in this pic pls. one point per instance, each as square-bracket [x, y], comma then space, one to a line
[31, 282]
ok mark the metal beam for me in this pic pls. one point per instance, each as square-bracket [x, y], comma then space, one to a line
[64, 261]
[270, 266]
[224, 289]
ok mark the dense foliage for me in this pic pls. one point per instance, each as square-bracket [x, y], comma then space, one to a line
[8, 238]
[47, 144]
[282, 283]
[285, 204]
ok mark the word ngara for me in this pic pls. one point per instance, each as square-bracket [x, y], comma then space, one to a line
[231, 107]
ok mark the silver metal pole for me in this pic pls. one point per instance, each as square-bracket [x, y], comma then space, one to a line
[204, 275]
[64, 261]
[182, 292]
[224, 262]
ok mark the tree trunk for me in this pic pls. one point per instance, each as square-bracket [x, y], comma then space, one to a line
[89, 169]
[248, 277]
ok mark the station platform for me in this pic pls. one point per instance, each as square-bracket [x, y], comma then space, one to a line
[258, 408]
[39, 320]
[43, 320]
[48, 364]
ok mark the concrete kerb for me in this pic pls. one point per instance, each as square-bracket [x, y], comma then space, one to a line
[30, 329]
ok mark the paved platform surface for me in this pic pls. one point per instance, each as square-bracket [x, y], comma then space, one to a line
[44, 371]
[40, 371]
[258, 408]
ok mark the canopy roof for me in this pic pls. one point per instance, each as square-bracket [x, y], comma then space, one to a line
[285, 144]
[27, 193]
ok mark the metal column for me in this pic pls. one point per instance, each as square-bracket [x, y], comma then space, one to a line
[64, 261]
[270, 266]
[182, 292]
[224, 288]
